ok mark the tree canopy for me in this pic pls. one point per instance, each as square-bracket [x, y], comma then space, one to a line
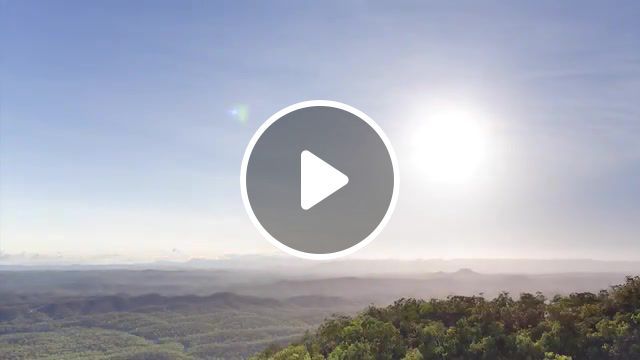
[579, 326]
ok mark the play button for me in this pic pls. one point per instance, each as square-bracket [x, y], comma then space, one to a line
[319, 179]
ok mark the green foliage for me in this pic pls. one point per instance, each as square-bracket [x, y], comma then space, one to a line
[413, 354]
[182, 328]
[293, 353]
[580, 326]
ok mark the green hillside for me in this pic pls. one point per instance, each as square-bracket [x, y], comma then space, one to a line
[580, 326]
[155, 327]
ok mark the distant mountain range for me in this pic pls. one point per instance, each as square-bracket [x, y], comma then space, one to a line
[59, 308]
[379, 289]
[343, 267]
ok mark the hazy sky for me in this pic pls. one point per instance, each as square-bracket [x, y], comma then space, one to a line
[117, 135]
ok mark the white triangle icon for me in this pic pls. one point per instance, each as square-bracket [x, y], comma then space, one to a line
[318, 180]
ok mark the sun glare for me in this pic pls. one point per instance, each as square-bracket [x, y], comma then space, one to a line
[451, 145]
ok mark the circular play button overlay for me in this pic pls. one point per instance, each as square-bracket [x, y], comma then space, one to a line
[319, 179]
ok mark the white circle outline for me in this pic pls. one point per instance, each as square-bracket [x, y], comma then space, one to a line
[243, 180]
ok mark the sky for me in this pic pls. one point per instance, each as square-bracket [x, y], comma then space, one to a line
[123, 123]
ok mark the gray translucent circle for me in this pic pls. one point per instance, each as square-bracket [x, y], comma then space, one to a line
[346, 142]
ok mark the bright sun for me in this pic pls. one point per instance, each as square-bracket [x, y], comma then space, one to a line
[451, 145]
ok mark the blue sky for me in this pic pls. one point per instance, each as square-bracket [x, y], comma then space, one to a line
[117, 138]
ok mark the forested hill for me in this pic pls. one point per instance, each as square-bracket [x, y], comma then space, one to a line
[579, 326]
[154, 327]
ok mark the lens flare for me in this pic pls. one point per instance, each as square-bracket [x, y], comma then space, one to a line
[240, 113]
